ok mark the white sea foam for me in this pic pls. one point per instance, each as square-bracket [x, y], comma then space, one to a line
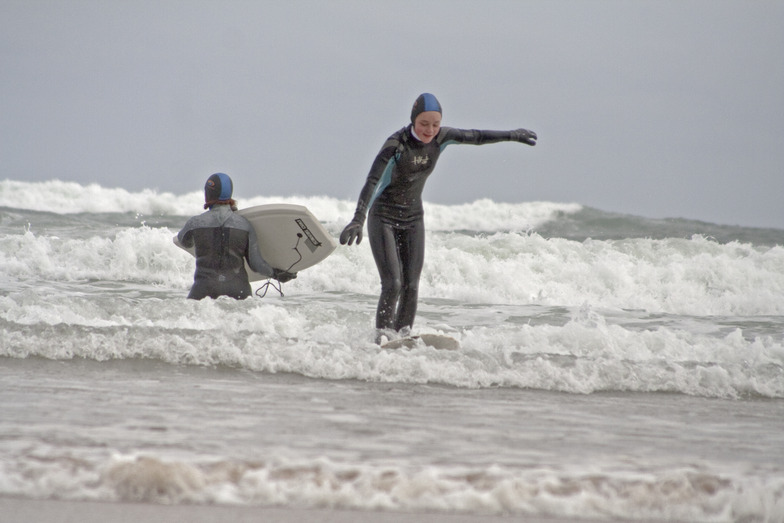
[694, 276]
[676, 314]
[684, 494]
[70, 198]
[120, 389]
[322, 338]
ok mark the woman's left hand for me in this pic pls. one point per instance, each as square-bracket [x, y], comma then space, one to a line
[524, 136]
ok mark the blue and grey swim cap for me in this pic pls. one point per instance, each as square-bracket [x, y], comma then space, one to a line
[425, 102]
[218, 187]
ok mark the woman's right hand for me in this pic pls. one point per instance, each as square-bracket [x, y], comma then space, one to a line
[353, 231]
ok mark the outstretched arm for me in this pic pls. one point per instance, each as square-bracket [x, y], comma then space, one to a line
[476, 137]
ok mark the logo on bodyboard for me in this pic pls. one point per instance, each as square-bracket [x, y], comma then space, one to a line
[311, 241]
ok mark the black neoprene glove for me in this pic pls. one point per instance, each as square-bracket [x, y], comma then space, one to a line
[524, 136]
[353, 230]
[283, 276]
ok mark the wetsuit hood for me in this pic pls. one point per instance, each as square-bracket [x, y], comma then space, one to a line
[219, 187]
[425, 102]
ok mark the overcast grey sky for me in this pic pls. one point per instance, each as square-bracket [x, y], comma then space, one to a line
[654, 108]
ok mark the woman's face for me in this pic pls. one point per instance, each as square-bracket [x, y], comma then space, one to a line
[426, 125]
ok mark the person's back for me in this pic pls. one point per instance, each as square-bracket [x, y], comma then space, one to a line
[223, 241]
[220, 238]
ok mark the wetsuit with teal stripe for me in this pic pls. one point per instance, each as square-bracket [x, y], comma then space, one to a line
[393, 195]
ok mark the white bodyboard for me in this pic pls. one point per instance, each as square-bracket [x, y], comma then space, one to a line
[290, 237]
[436, 341]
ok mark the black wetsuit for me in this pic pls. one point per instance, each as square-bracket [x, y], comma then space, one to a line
[393, 193]
[223, 240]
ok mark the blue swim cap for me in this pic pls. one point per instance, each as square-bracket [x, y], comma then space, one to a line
[425, 102]
[218, 187]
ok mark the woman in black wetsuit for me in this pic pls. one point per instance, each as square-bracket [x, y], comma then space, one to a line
[393, 195]
[224, 240]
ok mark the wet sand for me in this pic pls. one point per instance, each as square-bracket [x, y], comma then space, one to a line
[19, 510]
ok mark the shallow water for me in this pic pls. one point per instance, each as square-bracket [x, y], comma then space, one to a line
[609, 366]
[148, 431]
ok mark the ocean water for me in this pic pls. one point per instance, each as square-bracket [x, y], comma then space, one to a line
[610, 367]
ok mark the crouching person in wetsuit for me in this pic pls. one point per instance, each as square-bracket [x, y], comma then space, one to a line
[223, 241]
[393, 195]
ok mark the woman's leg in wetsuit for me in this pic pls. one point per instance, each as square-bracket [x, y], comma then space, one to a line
[383, 244]
[411, 244]
[399, 254]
